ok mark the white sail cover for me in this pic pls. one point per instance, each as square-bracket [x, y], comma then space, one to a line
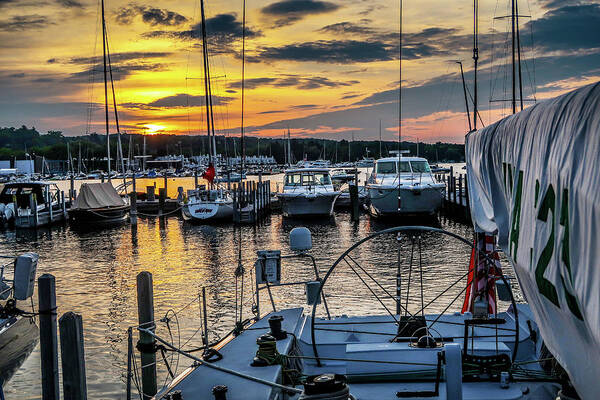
[534, 179]
[97, 195]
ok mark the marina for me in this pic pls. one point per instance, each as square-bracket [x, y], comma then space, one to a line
[209, 211]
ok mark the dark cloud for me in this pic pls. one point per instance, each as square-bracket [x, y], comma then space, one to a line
[119, 71]
[70, 3]
[305, 83]
[287, 12]
[222, 31]
[568, 28]
[51, 60]
[17, 75]
[349, 27]
[328, 51]
[550, 4]
[117, 57]
[24, 23]
[150, 15]
[179, 101]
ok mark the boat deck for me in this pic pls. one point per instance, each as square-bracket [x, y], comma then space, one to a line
[379, 369]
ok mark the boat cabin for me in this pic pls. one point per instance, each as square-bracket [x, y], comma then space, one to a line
[407, 165]
[20, 192]
[311, 177]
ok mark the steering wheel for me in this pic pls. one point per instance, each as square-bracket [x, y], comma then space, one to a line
[396, 317]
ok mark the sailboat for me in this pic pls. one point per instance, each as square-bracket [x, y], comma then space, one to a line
[99, 204]
[210, 204]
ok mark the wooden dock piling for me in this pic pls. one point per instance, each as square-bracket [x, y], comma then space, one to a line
[72, 357]
[145, 299]
[48, 338]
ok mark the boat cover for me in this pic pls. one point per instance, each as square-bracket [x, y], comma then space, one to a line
[534, 179]
[97, 195]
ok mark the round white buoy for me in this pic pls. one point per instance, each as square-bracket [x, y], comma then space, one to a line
[300, 239]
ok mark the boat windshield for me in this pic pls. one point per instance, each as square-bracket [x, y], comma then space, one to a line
[293, 180]
[420, 166]
[386, 167]
[404, 166]
[319, 178]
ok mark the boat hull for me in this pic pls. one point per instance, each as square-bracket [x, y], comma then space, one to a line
[18, 338]
[207, 211]
[98, 216]
[384, 201]
[299, 205]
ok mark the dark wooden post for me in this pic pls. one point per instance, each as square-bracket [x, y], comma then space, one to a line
[48, 339]
[354, 211]
[72, 189]
[150, 195]
[145, 300]
[133, 209]
[72, 356]
[196, 178]
[162, 196]
[166, 184]
[460, 183]
[133, 182]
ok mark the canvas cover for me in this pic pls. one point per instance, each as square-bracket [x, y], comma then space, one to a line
[534, 178]
[97, 195]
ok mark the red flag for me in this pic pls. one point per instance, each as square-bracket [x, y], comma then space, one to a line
[209, 174]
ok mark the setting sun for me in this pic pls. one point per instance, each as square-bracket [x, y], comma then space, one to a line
[153, 129]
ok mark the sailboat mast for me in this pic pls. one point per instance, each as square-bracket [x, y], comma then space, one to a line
[105, 89]
[462, 74]
[206, 92]
[400, 94]
[514, 80]
[243, 142]
[475, 60]
[519, 53]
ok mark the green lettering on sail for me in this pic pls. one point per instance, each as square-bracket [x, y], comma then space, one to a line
[565, 255]
[516, 218]
[546, 287]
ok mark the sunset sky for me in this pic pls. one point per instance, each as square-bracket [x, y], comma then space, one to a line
[323, 68]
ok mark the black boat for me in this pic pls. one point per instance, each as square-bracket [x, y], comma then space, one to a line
[98, 204]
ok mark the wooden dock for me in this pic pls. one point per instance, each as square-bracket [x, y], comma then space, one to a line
[456, 197]
[251, 201]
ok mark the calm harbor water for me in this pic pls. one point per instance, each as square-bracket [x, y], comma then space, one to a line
[96, 275]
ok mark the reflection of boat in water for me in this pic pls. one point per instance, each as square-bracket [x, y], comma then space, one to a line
[18, 333]
[98, 204]
[207, 205]
[420, 193]
[308, 192]
[32, 204]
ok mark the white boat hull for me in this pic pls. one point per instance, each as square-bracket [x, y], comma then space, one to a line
[384, 201]
[207, 211]
[305, 205]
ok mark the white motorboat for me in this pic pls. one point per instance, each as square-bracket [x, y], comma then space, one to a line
[207, 205]
[420, 193]
[31, 204]
[308, 192]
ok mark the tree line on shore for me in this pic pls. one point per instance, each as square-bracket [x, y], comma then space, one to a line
[23, 142]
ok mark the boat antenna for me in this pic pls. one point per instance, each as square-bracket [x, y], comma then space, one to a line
[475, 59]
[380, 154]
[105, 89]
[243, 144]
[206, 83]
[462, 74]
